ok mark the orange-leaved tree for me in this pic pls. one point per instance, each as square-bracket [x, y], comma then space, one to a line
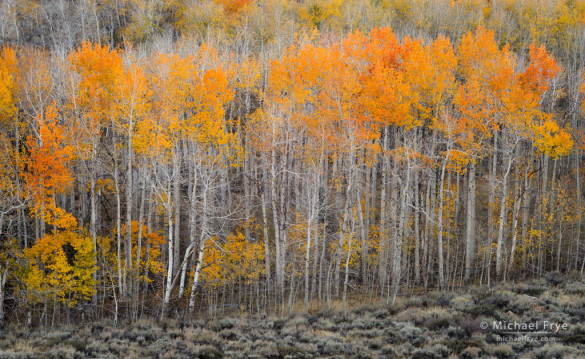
[47, 171]
[93, 73]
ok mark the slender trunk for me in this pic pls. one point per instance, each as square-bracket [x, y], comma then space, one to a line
[200, 255]
[515, 213]
[470, 223]
[312, 194]
[429, 224]
[502, 218]
[348, 257]
[136, 291]
[129, 204]
[315, 258]
[491, 201]
[192, 231]
[399, 238]
[344, 225]
[560, 235]
[440, 234]
[417, 238]
[578, 234]
[121, 276]
[383, 219]
[276, 221]
[3, 278]
[92, 229]
[542, 215]
[365, 225]
[266, 239]
[525, 209]
[247, 193]
[169, 279]
[177, 202]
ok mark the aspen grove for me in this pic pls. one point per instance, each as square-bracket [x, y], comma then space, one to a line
[201, 174]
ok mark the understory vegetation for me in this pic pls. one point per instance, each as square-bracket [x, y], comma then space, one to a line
[432, 325]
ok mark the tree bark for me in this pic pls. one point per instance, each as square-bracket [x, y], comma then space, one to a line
[3, 278]
[440, 235]
[199, 255]
[502, 218]
[470, 223]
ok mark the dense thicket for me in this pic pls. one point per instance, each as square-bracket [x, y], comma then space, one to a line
[172, 156]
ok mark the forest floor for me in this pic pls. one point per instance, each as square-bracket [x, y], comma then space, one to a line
[535, 319]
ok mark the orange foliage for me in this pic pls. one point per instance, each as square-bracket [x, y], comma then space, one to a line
[7, 83]
[233, 6]
[48, 173]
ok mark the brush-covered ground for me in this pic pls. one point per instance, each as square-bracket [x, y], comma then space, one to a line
[434, 325]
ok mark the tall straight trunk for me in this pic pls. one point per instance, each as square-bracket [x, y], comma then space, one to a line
[200, 255]
[121, 276]
[399, 238]
[266, 239]
[440, 234]
[325, 181]
[578, 234]
[93, 232]
[307, 260]
[192, 229]
[543, 215]
[344, 224]
[366, 225]
[312, 193]
[171, 253]
[553, 212]
[525, 209]
[502, 217]
[470, 223]
[364, 238]
[322, 260]
[417, 238]
[276, 221]
[177, 202]
[383, 258]
[348, 257]
[560, 240]
[429, 224]
[315, 260]
[3, 278]
[247, 193]
[139, 241]
[515, 214]
[491, 200]
[129, 204]
[169, 278]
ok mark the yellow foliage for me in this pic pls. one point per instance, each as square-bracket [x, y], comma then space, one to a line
[7, 84]
[234, 259]
[552, 140]
[150, 261]
[61, 268]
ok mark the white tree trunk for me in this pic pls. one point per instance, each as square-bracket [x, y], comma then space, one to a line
[440, 235]
[470, 223]
[502, 219]
[129, 203]
[199, 256]
[169, 285]
[3, 277]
